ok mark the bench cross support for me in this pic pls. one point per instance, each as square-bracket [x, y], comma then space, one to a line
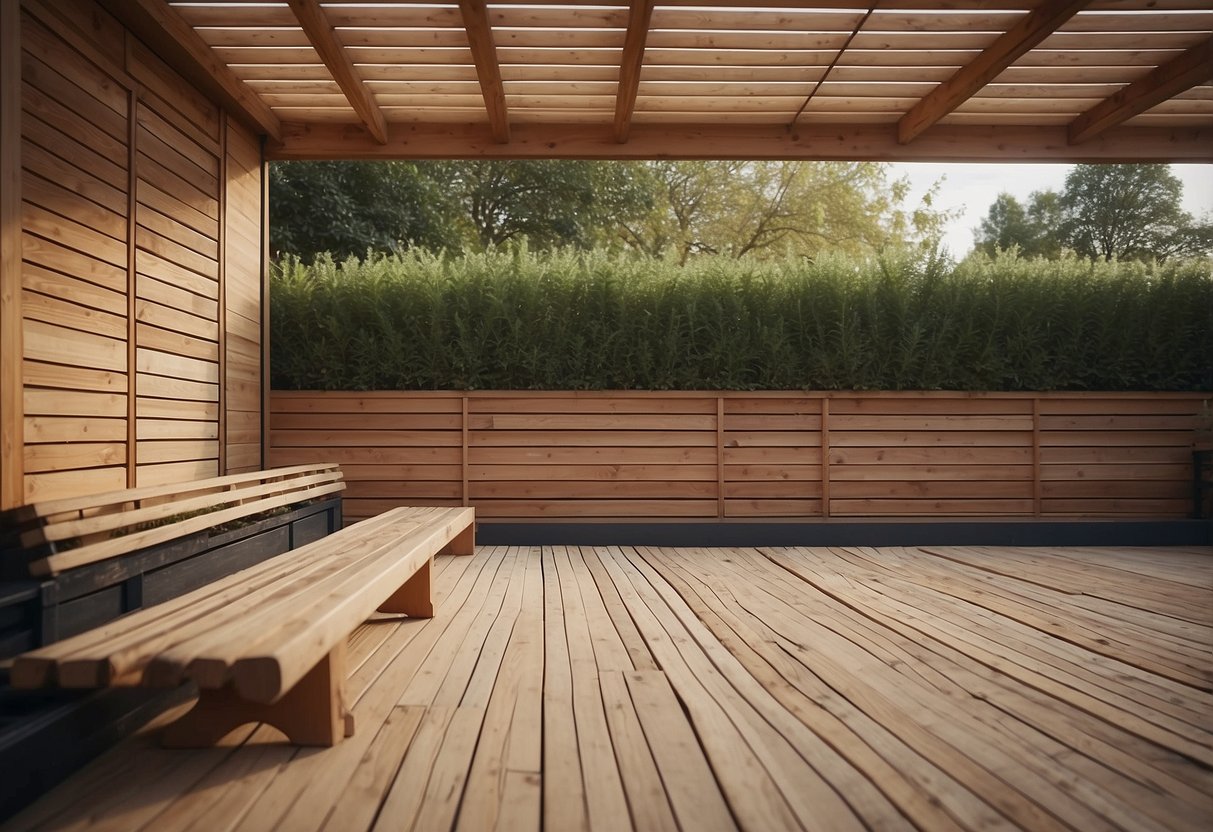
[313, 712]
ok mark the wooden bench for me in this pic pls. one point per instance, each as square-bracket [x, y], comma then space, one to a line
[266, 644]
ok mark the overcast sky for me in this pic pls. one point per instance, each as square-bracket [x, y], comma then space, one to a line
[973, 187]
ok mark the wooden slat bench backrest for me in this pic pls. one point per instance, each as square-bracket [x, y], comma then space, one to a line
[81, 530]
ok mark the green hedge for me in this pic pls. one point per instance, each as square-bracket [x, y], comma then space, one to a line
[519, 320]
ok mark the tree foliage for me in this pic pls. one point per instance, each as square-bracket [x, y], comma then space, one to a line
[349, 208]
[736, 209]
[1128, 212]
[1125, 212]
[1035, 230]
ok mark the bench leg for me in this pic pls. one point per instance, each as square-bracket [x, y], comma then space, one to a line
[415, 599]
[463, 543]
[311, 713]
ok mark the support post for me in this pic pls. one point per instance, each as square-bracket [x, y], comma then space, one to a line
[416, 598]
[313, 712]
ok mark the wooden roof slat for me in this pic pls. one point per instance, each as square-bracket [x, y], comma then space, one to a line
[175, 41]
[484, 53]
[1191, 68]
[851, 63]
[1019, 39]
[324, 40]
[630, 64]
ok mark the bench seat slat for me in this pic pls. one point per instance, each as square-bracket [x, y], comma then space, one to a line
[273, 665]
[123, 645]
[235, 633]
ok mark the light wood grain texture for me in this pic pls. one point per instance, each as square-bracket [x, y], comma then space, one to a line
[319, 33]
[480, 38]
[12, 490]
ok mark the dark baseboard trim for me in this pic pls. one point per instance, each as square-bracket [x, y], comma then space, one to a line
[854, 533]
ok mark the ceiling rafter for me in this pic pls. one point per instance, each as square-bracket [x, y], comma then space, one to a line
[1191, 68]
[1021, 38]
[324, 40]
[630, 66]
[484, 53]
[167, 34]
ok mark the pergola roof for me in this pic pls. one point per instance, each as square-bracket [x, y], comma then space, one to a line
[1000, 80]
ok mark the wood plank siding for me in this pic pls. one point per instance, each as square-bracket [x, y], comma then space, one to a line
[567, 688]
[518, 455]
[138, 198]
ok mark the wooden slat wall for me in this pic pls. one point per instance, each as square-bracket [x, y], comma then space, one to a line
[178, 331]
[748, 455]
[126, 172]
[76, 206]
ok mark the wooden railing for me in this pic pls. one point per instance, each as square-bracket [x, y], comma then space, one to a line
[684, 455]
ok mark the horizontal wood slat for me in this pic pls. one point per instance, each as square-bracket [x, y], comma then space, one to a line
[653, 455]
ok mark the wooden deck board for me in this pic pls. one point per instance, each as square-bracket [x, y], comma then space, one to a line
[567, 688]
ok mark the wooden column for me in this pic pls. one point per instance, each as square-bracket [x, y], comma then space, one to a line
[12, 413]
[1036, 483]
[464, 493]
[224, 173]
[265, 308]
[720, 457]
[825, 456]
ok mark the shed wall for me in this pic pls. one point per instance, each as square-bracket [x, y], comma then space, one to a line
[140, 280]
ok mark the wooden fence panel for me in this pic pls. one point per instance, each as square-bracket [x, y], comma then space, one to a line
[930, 456]
[772, 457]
[616, 456]
[591, 456]
[1115, 456]
[394, 449]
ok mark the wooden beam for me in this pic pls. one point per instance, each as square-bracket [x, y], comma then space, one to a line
[12, 450]
[1191, 68]
[629, 67]
[1034, 27]
[484, 53]
[812, 142]
[324, 40]
[167, 34]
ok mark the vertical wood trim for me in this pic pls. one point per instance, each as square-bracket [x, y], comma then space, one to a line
[132, 299]
[265, 307]
[223, 398]
[825, 457]
[1036, 483]
[12, 411]
[720, 456]
[465, 494]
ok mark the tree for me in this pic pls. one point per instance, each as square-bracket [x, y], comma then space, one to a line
[1129, 212]
[550, 203]
[347, 208]
[1033, 230]
[742, 209]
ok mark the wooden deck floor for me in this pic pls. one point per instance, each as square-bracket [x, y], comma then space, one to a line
[766, 689]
